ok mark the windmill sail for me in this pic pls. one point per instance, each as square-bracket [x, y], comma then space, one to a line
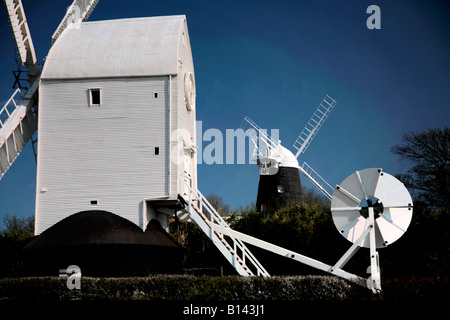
[314, 124]
[317, 180]
[22, 37]
[80, 10]
[265, 146]
[17, 119]
[17, 126]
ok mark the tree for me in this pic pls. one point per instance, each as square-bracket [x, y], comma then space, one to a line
[311, 197]
[16, 234]
[429, 176]
[304, 228]
[200, 254]
[218, 204]
[18, 228]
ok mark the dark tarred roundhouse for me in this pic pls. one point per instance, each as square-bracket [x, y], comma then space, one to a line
[103, 244]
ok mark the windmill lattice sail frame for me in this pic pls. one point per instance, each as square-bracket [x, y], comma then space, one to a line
[19, 125]
[314, 124]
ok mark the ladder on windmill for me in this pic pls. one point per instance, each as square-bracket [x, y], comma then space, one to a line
[216, 228]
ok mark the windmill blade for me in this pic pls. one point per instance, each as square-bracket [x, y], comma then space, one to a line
[317, 180]
[314, 124]
[17, 119]
[80, 10]
[261, 136]
[17, 125]
[22, 37]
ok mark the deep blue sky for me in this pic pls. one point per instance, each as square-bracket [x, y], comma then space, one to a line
[274, 61]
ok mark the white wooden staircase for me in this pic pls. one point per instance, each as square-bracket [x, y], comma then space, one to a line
[215, 227]
[231, 242]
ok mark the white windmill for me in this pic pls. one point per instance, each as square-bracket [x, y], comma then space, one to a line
[279, 182]
[116, 143]
[117, 134]
[114, 98]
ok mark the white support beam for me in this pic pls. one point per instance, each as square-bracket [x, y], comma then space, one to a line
[292, 255]
[348, 195]
[374, 281]
[353, 249]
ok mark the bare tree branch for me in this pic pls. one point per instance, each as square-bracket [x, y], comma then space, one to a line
[430, 173]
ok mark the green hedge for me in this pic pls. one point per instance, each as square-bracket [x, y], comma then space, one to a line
[181, 287]
[186, 287]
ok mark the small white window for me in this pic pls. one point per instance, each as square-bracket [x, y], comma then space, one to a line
[95, 97]
[280, 189]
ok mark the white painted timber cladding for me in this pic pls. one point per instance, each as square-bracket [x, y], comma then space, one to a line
[104, 153]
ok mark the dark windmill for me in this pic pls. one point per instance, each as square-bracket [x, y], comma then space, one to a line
[279, 182]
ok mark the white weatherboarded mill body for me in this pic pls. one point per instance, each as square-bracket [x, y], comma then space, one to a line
[116, 120]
